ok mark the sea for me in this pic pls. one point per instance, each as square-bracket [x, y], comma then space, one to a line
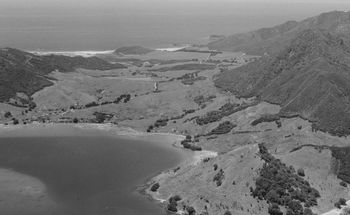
[86, 173]
[106, 25]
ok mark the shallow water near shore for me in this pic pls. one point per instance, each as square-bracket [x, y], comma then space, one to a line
[86, 174]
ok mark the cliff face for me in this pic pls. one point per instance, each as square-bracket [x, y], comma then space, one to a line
[27, 73]
[275, 39]
[310, 77]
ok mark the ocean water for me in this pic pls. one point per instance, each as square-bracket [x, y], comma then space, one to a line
[90, 175]
[80, 25]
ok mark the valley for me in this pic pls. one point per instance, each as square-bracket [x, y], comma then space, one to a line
[270, 132]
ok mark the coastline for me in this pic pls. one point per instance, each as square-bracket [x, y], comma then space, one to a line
[164, 139]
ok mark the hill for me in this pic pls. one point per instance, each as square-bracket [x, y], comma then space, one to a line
[274, 39]
[27, 73]
[311, 78]
[132, 50]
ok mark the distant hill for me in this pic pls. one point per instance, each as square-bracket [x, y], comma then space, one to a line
[133, 50]
[275, 39]
[310, 77]
[27, 73]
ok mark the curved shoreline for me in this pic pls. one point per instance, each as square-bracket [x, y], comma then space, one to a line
[172, 139]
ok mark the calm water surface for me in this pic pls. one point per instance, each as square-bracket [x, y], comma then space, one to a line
[90, 174]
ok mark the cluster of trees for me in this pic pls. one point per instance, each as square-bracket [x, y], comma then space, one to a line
[223, 128]
[155, 187]
[185, 112]
[8, 114]
[219, 177]
[172, 203]
[266, 118]
[188, 144]
[280, 185]
[342, 154]
[158, 123]
[124, 97]
[101, 117]
[216, 115]
[340, 202]
[201, 100]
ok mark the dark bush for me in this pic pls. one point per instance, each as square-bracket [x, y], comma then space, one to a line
[340, 202]
[308, 211]
[8, 114]
[161, 123]
[225, 110]
[155, 187]
[175, 198]
[343, 183]
[15, 121]
[223, 128]
[190, 210]
[274, 209]
[266, 118]
[301, 172]
[75, 120]
[91, 104]
[227, 213]
[172, 206]
[219, 177]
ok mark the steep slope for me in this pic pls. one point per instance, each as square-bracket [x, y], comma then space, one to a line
[275, 39]
[311, 78]
[26, 73]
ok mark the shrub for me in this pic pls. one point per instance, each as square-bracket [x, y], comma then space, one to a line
[308, 211]
[340, 202]
[274, 209]
[219, 177]
[172, 206]
[8, 114]
[343, 183]
[15, 121]
[75, 120]
[155, 187]
[190, 210]
[223, 128]
[175, 198]
[301, 172]
[227, 213]
[91, 104]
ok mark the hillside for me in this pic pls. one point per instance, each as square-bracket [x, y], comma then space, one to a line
[311, 77]
[24, 72]
[132, 50]
[274, 39]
